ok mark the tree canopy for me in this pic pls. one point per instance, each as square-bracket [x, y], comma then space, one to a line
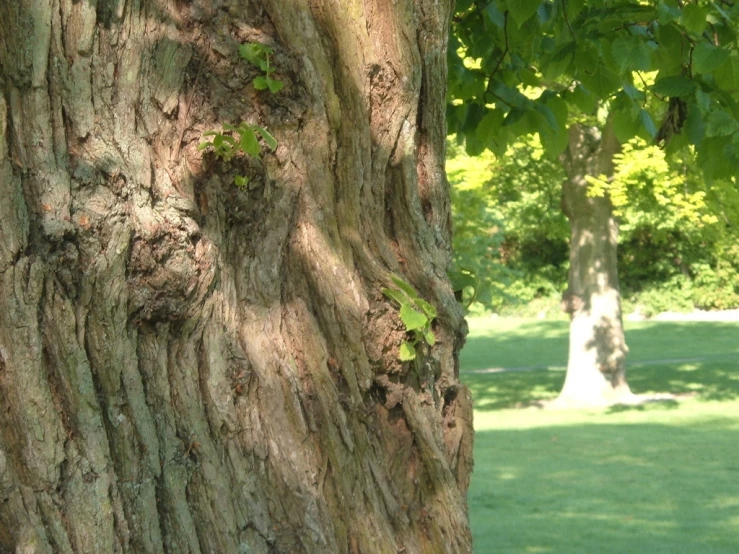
[667, 71]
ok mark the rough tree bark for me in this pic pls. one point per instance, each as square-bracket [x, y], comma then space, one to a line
[187, 366]
[596, 370]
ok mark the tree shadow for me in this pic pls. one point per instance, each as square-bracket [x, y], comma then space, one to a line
[526, 363]
[714, 380]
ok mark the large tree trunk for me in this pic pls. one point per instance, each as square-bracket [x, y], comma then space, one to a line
[596, 370]
[187, 366]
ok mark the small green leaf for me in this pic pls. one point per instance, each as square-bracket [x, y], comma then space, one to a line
[674, 86]
[727, 74]
[667, 13]
[274, 85]
[625, 125]
[601, 80]
[267, 136]
[412, 318]
[405, 287]
[707, 57]
[396, 295]
[694, 18]
[260, 83]
[694, 125]
[427, 308]
[430, 337]
[522, 10]
[703, 99]
[204, 145]
[720, 124]
[462, 279]
[647, 124]
[249, 142]
[631, 54]
[241, 181]
[407, 352]
[583, 99]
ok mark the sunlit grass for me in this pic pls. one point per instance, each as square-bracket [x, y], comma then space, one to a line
[657, 478]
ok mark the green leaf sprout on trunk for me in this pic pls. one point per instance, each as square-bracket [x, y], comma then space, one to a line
[417, 316]
[244, 138]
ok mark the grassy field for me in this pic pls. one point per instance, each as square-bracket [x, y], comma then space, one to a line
[658, 478]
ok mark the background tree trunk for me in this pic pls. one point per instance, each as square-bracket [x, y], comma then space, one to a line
[596, 370]
[187, 366]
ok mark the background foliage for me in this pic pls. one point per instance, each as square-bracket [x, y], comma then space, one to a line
[679, 245]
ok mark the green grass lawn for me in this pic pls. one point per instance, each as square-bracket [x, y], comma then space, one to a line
[658, 478]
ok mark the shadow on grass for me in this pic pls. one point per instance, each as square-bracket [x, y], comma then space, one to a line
[523, 343]
[710, 380]
[607, 488]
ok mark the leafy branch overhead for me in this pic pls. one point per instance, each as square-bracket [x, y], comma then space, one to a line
[417, 316]
[664, 70]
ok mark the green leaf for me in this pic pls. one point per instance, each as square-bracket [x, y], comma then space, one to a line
[522, 10]
[429, 337]
[494, 15]
[703, 100]
[727, 74]
[674, 86]
[546, 112]
[249, 142]
[412, 318]
[625, 125]
[559, 62]
[267, 136]
[559, 110]
[274, 85]
[490, 133]
[256, 54]
[707, 57]
[667, 13]
[204, 145]
[405, 287]
[601, 80]
[694, 18]
[671, 50]
[396, 295]
[694, 126]
[583, 99]
[712, 158]
[720, 124]
[427, 308]
[528, 78]
[260, 83]
[574, 7]
[241, 181]
[510, 95]
[407, 352]
[462, 279]
[631, 54]
[647, 124]
[555, 141]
